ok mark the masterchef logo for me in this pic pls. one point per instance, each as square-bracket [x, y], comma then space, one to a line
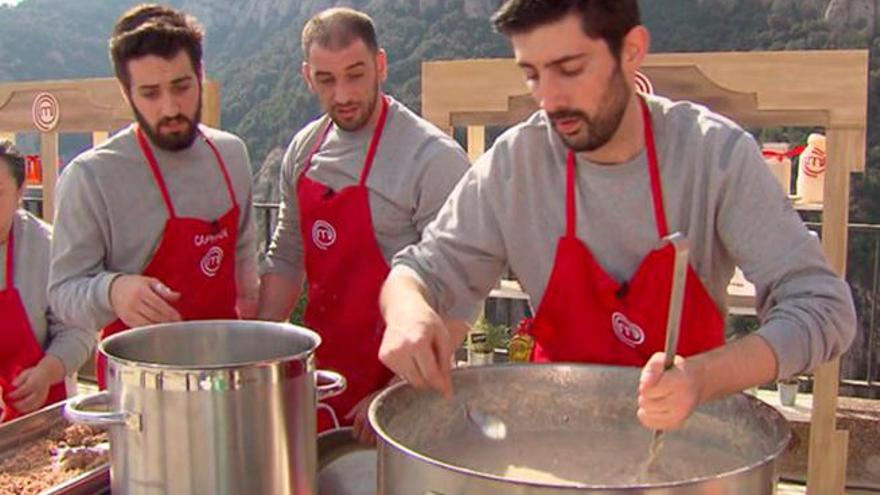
[626, 331]
[212, 261]
[814, 163]
[206, 239]
[45, 112]
[323, 234]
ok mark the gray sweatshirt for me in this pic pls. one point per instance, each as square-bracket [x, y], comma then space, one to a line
[31, 275]
[415, 168]
[110, 217]
[510, 210]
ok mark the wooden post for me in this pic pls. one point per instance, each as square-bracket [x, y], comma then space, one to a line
[49, 157]
[826, 471]
[211, 104]
[476, 142]
[99, 137]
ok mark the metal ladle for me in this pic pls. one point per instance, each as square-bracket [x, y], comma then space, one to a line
[673, 321]
[490, 426]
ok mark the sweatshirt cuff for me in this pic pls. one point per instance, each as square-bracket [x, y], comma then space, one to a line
[103, 282]
[789, 344]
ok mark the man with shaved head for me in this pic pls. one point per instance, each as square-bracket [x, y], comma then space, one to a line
[357, 185]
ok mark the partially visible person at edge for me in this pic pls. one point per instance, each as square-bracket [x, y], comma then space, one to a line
[37, 352]
[357, 185]
[599, 176]
[155, 224]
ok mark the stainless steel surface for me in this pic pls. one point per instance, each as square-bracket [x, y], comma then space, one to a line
[345, 466]
[673, 321]
[576, 422]
[224, 407]
[37, 425]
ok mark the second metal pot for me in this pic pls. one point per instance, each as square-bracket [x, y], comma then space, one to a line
[220, 407]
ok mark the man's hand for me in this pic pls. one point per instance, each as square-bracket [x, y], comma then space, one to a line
[417, 347]
[362, 430]
[358, 415]
[32, 385]
[139, 301]
[668, 398]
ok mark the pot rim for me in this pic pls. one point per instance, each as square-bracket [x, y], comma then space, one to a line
[260, 363]
[384, 437]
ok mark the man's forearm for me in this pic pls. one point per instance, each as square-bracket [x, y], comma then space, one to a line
[278, 297]
[402, 289]
[736, 366]
[84, 301]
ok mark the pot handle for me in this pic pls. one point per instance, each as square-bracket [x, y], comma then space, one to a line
[74, 410]
[336, 385]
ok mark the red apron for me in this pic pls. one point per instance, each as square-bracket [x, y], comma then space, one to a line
[195, 257]
[345, 270]
[587, 316]
[19, 349]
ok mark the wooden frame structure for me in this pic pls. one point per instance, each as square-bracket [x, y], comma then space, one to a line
[93, 106]
[756, 89]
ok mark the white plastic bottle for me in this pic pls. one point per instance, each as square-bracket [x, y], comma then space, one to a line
[811, 170]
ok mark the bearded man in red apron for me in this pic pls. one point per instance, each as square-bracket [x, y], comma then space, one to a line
[154, 225]
[577, 199]
[358, 184]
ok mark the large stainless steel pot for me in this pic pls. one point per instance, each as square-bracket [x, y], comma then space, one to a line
[572, 429]
[219, 407]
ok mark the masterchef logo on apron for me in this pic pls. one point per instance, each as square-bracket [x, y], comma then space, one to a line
[212, 261]
[626, 331]
[323, 234]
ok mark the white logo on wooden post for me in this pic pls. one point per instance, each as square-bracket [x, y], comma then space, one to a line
[626, 331]
[46, 112]
[323, 234]
[212, 261]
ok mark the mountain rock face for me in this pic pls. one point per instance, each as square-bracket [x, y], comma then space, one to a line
[858, 13]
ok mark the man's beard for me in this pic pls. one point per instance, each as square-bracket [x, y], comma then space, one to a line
[176, 141]
[598, 130]
[363, 119]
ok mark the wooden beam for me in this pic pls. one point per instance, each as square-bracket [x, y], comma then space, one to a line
[49, 157]
[211, 104]
[476, 142]
[827, 457]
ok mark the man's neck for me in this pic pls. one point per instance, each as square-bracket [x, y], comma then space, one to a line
[627, 142]
[371, 124]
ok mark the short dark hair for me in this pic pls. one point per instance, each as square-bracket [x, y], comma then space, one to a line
[151, 29]
[609, 20]
[337, 28]
[13, 158]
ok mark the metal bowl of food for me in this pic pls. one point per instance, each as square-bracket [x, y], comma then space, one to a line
[571, 429]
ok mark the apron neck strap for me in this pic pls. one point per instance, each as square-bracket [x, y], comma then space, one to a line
[157, 174]
[570, 207]
[374, 142]
[10, 256]
[154, 168]
[653, 171]
[222, 164]
[371, 151]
